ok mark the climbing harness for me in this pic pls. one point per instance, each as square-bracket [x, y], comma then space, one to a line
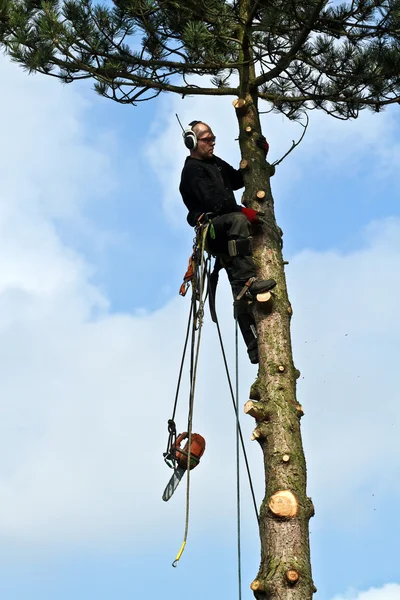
[200, 277]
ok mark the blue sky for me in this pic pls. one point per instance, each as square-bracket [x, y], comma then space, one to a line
[93, 246]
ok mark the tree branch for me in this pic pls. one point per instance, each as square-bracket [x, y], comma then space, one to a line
[102, 74]
[284, 62]
[274, 99]
[294, 144]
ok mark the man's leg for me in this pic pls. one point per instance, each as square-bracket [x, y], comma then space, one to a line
[240, 269]
[234, 227]
[233, 238]
[242, 311]
[244, 315]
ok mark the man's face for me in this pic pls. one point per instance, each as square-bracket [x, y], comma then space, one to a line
[205, 142]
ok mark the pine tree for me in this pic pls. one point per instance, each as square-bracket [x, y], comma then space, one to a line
[292, 57]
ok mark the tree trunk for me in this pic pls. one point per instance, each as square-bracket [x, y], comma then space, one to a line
[285, 570]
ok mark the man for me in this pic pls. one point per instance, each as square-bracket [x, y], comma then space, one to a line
[207, 185]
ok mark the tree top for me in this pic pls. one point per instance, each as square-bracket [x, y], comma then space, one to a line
[340, 57]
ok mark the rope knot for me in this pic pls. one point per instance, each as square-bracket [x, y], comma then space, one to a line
[171, 426]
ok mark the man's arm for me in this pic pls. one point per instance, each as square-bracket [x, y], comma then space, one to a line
[235, 176]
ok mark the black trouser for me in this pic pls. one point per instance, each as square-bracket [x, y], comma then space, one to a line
[232, 226]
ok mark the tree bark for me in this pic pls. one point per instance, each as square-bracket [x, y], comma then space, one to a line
[285, 569]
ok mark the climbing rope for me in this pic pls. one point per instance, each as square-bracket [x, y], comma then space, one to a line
[199, 269]
[237, 418]
[239, 438]
[190, 276]
[197, 323]
[168, 457]
[239, 551]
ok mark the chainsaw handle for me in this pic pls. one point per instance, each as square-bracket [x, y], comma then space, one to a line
[180, 438]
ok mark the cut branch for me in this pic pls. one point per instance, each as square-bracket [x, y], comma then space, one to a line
[284, 504]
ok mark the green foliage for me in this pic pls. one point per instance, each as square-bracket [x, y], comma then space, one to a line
[340, 57]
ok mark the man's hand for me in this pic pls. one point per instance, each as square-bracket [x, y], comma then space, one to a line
[251, 214]
[263, 144]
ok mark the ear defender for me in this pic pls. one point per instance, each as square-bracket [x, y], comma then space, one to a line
[190, 137]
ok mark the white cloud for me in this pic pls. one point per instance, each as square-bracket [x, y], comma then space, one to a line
[44, 142]
[390, 591]
[346, 336]
[85, 405]
[85, 396]
[369, 142]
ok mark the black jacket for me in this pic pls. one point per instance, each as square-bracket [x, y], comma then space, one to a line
[207, 186]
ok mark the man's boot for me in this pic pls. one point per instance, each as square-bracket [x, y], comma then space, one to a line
[262, 285]
[250, 288]
[252, 351]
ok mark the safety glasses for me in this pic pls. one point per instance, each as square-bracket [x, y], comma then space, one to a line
[207, 140]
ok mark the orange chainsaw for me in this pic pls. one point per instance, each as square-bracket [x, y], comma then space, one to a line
[179, 456]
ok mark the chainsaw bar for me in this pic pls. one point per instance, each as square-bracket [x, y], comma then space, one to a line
[173, 483]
